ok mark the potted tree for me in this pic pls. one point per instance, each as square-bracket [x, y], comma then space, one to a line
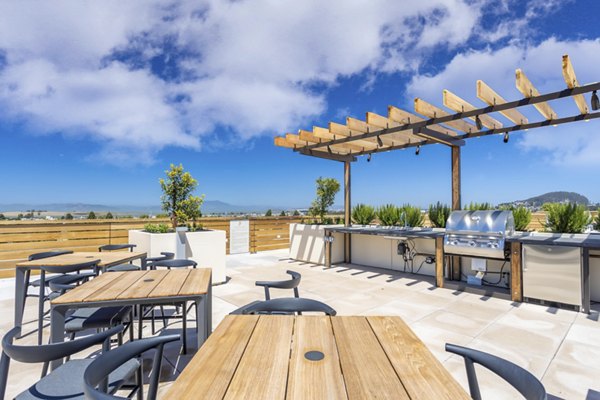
[307, 240]
[185, 237]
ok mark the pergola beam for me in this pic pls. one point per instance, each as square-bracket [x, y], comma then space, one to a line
[571, 81]
[431, 111]
[489, 96]
[528, 90]
[457, 104]
[438, 137]
[340, 130]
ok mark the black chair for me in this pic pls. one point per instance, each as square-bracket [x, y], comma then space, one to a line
[67, 278]
[120, 267]
[66, 381]
[96, 373]
[169, 264]
[36, 283]
[94, 317]
[286, 305]
[287, 284]
[522, 380]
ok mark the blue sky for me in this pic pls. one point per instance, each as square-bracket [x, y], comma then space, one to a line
[98, 98]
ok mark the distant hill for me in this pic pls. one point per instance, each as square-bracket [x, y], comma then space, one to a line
[553, 197]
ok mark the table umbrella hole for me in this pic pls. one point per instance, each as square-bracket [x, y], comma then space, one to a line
[314, 355]
[149, 280]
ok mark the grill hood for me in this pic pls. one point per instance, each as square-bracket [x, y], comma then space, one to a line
[478, 233]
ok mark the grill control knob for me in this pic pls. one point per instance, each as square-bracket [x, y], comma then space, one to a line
[472, 243]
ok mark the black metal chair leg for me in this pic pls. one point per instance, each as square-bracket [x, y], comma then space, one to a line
[41, 306]
[184, 336]
[164, 318]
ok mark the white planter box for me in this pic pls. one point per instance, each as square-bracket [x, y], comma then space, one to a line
[207, 248]
[307, 244]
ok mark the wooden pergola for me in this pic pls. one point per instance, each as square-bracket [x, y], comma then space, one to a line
[430, 124]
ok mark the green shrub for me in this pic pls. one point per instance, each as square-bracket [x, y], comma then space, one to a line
[411, 216]
[157, 228]
[363, 214]
[521, 215]
[566, 217]
[597, 222]
[474, 206]
[388, 215]
[438, 214]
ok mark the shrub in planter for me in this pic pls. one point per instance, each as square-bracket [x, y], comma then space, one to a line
[411, 216]
[566, 217]
[363, 214]
[157, 228]
[388, 215]
[521, 215]
[597, 222]
[438, 214]
[474, 206]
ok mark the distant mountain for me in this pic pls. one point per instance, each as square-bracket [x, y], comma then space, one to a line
[209, 207]
[554, 197]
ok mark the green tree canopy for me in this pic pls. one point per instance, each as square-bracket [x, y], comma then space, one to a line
[68, 216]
[108, 215]
[177, 198]
[91, 215]
[282, 214]
[269, 213]
[327, 188]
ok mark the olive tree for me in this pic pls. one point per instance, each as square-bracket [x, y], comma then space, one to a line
[177, 199]
[327, 188]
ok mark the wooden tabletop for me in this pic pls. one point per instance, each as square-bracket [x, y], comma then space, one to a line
[131, 285]
[263, 357]
[107, 259]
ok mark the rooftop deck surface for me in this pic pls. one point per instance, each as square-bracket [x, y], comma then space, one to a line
[560, 347]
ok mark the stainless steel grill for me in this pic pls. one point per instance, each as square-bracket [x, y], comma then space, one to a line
[478, 233]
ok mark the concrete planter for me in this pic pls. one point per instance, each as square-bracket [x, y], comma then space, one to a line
[307, 244]
[207, 248]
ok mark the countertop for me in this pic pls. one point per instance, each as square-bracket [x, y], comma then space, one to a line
[586, 240]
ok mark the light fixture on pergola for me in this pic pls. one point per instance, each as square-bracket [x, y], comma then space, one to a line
[433, 125]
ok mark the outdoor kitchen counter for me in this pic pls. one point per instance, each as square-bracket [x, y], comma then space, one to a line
[425, 233]
[589, 241]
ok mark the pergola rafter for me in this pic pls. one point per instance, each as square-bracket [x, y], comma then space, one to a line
[402, 129]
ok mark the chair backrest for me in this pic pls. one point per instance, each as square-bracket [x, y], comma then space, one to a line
[46, 254]
[102, 366]
[44, 353]
[288, 305]
[175, 263]
[111, 247]
[165, 256]
[287, 284]
[65, 269]
[522, 380]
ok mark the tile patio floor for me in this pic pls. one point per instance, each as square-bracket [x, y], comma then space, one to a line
[560, 347]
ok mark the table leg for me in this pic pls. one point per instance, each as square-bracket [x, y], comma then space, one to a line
[201, 320]
[41, 306]
[184, 329]
[20, 293]
[57, 329]
[209, 309]
[144, 263]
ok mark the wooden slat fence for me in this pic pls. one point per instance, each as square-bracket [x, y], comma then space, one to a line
[18, 239]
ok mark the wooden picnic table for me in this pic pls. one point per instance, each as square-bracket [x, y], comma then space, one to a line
[139, 288]
[107, 259]
[267, 357]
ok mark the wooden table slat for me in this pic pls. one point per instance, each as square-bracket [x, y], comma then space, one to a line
[367, 371]
[142, 287]
[199, 278]
[423, 376]
[88, 288]
[216, 361]
[262, 371]
[106, 258]
[112, 291]
[170, 283]
[315, 379]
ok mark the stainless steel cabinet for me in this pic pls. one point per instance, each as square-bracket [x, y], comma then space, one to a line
[552, 273]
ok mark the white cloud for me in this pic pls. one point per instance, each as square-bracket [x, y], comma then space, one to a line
[89, 67]
[572, 145]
